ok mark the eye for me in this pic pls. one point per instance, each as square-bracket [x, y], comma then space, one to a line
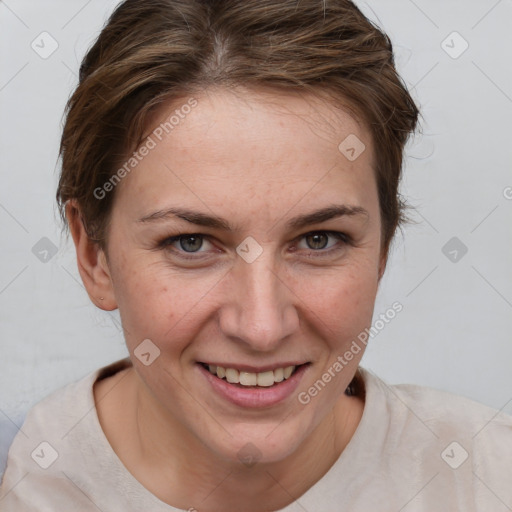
[318, 242]
[185, 243]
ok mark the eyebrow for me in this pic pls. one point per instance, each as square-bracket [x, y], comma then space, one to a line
[211, 221]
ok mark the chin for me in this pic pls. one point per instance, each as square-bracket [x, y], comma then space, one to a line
[258, 444]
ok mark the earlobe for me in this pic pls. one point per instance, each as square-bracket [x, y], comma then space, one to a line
[92, 262]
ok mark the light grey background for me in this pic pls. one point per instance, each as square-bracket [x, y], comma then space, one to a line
[454, 330]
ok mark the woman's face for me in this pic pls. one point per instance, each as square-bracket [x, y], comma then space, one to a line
[263, 284]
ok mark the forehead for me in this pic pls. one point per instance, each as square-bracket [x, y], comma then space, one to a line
[265, 121]
[227, 146]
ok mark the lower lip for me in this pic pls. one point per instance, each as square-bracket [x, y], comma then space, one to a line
[254, 397]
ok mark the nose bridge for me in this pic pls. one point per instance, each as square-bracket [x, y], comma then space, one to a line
[261, 312]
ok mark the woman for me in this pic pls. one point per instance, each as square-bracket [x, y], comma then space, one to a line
[230, 178]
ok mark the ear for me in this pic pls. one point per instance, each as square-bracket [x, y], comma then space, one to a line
[92, 262]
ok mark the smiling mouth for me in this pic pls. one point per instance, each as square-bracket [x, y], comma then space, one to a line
[245, 379]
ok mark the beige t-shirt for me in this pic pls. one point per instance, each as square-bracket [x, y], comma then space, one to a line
[415, 449]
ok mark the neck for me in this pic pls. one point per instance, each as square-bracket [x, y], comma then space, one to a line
[166, 451]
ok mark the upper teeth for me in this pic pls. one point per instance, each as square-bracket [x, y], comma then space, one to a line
[265, 379]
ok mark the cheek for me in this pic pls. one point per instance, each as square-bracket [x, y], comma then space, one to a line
[341, 302]
[156, 303]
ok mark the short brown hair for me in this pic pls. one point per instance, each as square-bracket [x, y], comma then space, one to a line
[153, 51]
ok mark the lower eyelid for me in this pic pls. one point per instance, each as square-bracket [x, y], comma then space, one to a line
[341, 238]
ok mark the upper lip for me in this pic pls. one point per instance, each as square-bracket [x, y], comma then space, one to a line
[256, 369]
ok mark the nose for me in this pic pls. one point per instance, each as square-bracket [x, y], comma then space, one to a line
[260, 310]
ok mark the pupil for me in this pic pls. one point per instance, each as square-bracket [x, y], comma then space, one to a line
[315, 239]
[198, 242]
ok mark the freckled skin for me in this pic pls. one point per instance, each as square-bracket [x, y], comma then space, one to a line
[256, 159]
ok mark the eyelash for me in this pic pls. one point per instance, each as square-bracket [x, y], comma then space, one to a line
[342, 237]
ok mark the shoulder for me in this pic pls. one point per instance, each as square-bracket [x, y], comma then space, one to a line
[487, 431]
[45, 445]
[58, 412]
[434, 406]
[465, 446]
